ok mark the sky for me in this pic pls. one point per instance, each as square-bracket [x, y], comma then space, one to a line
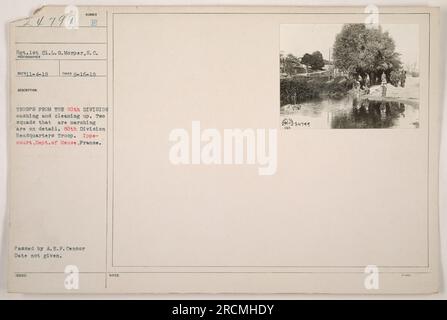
[299, 39]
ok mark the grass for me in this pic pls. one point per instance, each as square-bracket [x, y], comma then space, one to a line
[300, 89]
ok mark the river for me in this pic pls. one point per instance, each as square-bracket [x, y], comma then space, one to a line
[350, 113]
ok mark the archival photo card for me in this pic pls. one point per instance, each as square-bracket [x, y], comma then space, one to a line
[165, 150]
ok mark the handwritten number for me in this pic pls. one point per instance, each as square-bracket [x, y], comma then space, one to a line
[40, 20]
[61, 20]
[27, 22]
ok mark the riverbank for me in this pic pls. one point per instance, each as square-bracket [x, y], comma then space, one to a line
[408, 94]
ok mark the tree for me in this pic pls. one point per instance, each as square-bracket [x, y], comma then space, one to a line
[307, 60]
[359, 50]
[314, 60]
[317, 62]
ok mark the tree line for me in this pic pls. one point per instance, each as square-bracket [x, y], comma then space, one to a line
[358, 50]
[291, 64]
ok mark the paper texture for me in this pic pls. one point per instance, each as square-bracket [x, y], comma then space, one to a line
[221, 149]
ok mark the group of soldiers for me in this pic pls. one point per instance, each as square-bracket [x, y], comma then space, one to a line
[401, 78]
[364, 83]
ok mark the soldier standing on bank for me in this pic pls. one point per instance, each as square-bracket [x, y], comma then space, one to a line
[403, 77]
[383, 84]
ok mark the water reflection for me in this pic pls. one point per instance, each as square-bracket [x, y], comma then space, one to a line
[370, 114]
[353, 113]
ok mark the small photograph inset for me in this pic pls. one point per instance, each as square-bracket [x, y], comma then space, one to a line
[347, 76]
